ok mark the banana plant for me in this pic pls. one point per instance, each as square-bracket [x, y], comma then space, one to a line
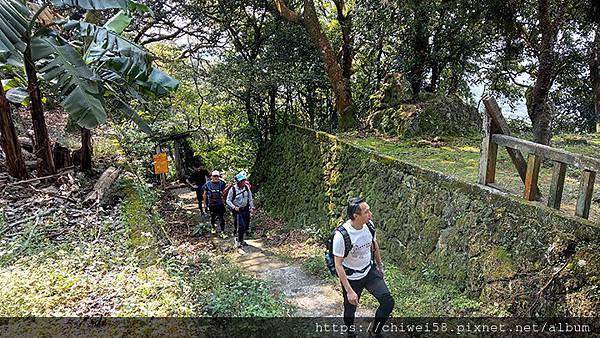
[97, 66]
[81, 75]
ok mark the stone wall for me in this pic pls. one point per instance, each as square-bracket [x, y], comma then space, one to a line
[531, 259]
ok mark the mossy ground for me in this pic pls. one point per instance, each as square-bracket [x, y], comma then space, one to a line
[459, 157]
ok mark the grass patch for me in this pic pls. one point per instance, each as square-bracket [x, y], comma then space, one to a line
[237, 295]
[423, 294]
[315, 265]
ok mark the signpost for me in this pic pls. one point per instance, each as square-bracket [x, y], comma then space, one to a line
[161, 165]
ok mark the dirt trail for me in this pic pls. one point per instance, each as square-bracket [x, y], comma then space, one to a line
[310, 296]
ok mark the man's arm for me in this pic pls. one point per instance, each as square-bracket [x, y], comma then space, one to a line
[352, 296]
[190, 183]
[230, 199]
[251, 204]
[377, 255]
[205, 197]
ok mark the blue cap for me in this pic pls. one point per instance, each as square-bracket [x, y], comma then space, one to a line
[241, 176]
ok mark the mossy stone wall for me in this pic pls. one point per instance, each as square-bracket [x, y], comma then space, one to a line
[531, 259]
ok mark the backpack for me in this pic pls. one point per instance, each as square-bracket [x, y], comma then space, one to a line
[229, 185]
[329, 257]
[214, 194]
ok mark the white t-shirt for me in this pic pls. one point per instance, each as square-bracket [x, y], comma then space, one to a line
[359, 256]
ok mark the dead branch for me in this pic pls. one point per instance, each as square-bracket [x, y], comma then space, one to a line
[41, 178]
[104, 183]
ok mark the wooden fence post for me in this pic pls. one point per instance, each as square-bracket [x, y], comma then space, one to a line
[489, 152]
[500, 126]
[586, 188]
[531, 178]
[557, 185]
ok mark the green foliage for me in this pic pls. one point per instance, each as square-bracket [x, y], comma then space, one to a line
[202, 229]
[119, 276]
[237, 295]
[227, 155]
[13, 24]
[394, 113]
[137, 147]
[78, 85]
[315, 265]
[421, 296]
[70, 280]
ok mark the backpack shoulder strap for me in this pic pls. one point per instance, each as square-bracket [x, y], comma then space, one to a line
[371, 227]
[347, 242]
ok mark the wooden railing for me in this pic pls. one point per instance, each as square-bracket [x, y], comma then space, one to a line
[497, 133]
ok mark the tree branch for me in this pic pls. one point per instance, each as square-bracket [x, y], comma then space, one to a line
[161, 37]
[287, 13]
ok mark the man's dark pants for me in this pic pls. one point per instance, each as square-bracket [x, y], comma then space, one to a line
[217, 211]
[375, 284]
[199, 196]
[241, 222]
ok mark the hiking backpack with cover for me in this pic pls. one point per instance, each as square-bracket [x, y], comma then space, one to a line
[329, 256]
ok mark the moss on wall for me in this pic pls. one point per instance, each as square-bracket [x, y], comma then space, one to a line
[497, 247]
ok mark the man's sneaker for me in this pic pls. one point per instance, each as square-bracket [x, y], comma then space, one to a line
[236, 244]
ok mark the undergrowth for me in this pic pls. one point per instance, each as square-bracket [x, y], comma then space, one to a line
[126, 267]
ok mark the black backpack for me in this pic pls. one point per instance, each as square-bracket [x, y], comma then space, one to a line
[231, 186]
[329, 257]
[214, 195]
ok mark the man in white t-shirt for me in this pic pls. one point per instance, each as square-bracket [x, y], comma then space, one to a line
[356, 270]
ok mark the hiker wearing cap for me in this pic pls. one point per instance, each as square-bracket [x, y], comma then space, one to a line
[358, 265]
[213, 198]
[239, 199]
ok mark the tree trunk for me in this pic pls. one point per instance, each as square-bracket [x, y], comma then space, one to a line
[86, 149]
[61, 156]
[9, 140]
[272, 110]
[435, 77]
[42, 141]
[310, 104]
[538, 112]
[341, 88]
[595, 76]
[347, 56]
[378, 69]
[248, 107]
[421, 50]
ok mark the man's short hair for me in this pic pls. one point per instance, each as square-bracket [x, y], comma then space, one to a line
[354, 206]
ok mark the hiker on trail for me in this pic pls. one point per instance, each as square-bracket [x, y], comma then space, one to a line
[239, 199]
[197, 180]
[227, 188]
[213, 198]
[360, 268]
